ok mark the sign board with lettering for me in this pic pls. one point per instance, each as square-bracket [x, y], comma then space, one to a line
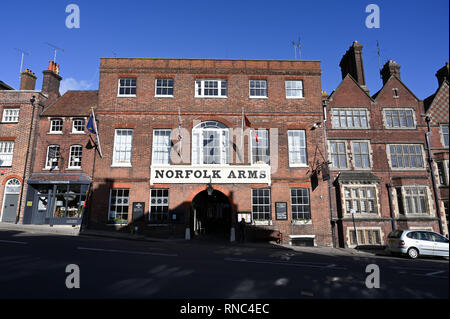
[138, 211]
[281, 211]
[216, 174]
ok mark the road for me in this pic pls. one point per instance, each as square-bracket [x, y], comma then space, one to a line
[34, 266]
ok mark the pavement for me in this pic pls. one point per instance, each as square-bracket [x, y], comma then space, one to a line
[76, 231]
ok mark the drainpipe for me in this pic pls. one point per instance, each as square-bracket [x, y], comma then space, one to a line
[330, 197]
[32, 101]
[391, 206]
[433, 179]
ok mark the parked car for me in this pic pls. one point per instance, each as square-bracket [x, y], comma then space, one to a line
[415, 243]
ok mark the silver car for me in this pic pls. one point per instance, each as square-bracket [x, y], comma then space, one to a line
[415, 243]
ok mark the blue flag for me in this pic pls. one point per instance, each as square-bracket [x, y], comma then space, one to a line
[90, 125]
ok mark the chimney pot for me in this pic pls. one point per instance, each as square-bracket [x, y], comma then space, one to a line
[443, 74]
[390, 68]
[352, 63]
[27, 80]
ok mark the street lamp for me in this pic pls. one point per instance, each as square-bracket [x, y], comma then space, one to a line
[209, 188]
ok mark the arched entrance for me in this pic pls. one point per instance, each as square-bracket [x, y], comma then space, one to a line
[211, 215]
[10, 201]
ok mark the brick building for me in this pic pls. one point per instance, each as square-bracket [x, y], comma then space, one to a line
[62, 166]
[437, 111]
[19, 124]
[175, 161]
[377, 151]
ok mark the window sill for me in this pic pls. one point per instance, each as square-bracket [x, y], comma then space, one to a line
[55, 133]
[164, 96]
[78, 133]
[121, 165]
[421, 169]
[262, 222]
[211, 97]
[126, 95]
[400, 128]
[294, 98]
[74, 168]
[302, 222]
[50, 169]
[258, 97]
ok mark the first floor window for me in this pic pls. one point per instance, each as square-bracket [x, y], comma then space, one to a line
[443, 173]
[52, 157]
[56, 125]
[10, 115]
[164, 87]
[161, 147]
[350, 118]
[258, 88]
[261, 204]
[211, 88]
[210, 144]
[365, 237]
[360, 200]
[119, 206]
[444, 131]
[6, 153]
[338, 154]
[260, 147]
[414, 200]
[78, 126]
[300, 203]
[406, 156]
[127, 87]
[159, 205]
[399, 118]
[294, 89]
[361, 155]
[297, 148]
[76, 153]
[122, 147]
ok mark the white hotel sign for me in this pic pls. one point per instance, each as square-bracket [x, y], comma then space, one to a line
[182, 174]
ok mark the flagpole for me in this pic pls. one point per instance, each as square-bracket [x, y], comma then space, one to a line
[180, 138]
[96, 134]
[242, 135]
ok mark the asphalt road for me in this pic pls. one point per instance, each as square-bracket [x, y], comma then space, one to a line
[34, 266]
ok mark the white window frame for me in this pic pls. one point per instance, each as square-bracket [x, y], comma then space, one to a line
[121, 205]
[125, 87]
[163, 204]
[399, 127]
[308, 193]
[422, 156]
[71, 156]
[197, 142]
[361, 154]
[257, 89]
[262, 145]
[11, 115]
[6, 152]
[443, 134]
[330, 154]
[127, 149]
[47, 159]
[297, 148]
[200, 86]
[265, 190]
[302, 89]
[164, 87]
[339, 117]
[74, 130]
[159, 148]
[52, 126]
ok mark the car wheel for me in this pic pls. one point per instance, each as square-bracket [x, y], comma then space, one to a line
[413, 253]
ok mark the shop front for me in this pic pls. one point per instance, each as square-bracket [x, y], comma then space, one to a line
[56, 202]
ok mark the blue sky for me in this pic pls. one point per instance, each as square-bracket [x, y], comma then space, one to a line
[413, 33]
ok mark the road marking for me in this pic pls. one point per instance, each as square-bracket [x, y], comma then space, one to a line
[13, 242]
[284, 263]
[126, 251]
[435, 273]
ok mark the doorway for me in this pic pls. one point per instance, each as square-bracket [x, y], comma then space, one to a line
[10, 201]
[211, 215]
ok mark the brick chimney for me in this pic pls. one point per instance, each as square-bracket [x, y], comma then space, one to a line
[51, 81]
[27, 80]
[352, 63]
[390, 68]
[442, 74]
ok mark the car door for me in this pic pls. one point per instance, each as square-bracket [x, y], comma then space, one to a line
[426, 243]
[440, 247]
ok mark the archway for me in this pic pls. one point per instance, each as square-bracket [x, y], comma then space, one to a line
[10, 201]
[211, 215]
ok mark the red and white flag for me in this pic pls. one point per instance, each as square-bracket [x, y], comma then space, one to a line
[248, 124]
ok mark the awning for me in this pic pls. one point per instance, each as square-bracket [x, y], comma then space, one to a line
[359, 177]
[59, 179]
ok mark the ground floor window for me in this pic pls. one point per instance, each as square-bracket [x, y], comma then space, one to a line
[119, 206]
[159, 205]
[300, 203]
[413, 200]
[365, 237]
[261, 204]
[69, 201]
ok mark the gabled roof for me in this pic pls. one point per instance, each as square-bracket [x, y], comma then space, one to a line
[354, 81]
[375, 96]
[5, 86]
[73, 103]
[437, 104]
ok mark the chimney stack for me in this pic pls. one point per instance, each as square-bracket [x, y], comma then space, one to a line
[442, 74]
[352, 63]
[28, 80]
[51, 81]
[390, 68]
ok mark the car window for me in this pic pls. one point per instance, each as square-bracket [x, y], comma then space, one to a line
[438, 238]
[423, 235]
[395, 234]
[412, 235]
